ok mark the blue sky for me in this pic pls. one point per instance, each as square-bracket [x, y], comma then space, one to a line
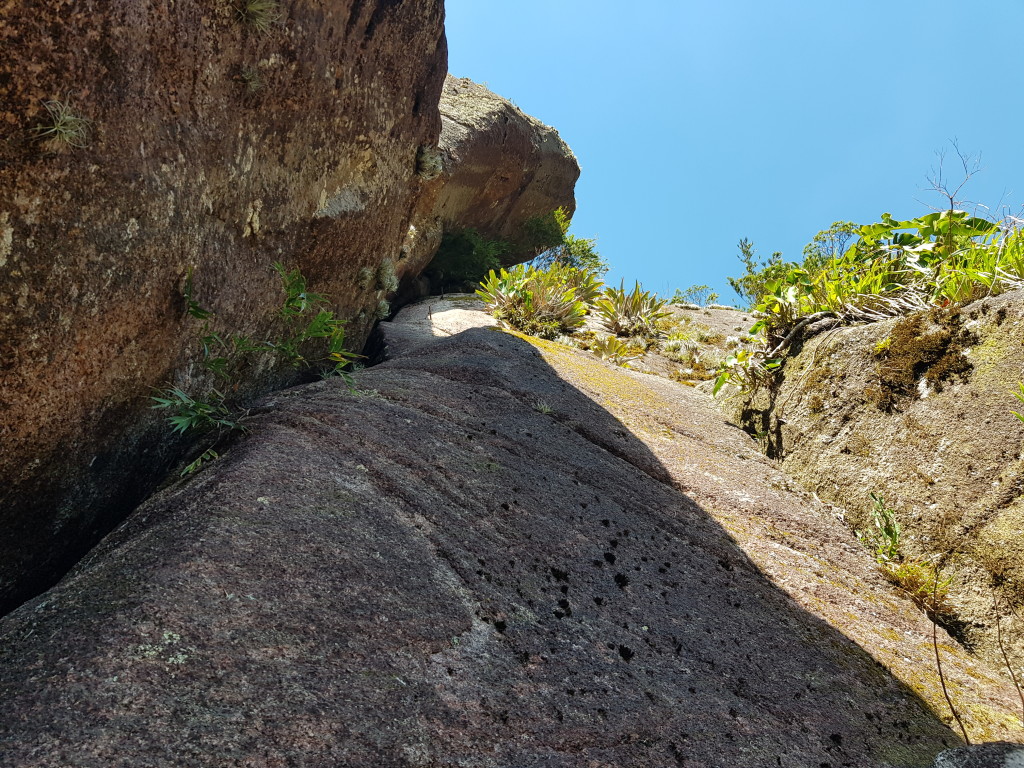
[698, 123]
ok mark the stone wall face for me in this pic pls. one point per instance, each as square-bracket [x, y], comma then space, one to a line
[212, 146]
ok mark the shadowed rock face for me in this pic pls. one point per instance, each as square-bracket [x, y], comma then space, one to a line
[210, 146]
[215, 148]
[435, 570]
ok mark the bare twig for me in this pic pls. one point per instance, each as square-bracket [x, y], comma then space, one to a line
[1002, 648]
[938, 661]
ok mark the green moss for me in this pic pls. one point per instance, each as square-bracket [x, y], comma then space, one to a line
[818, 378]
[923, 346]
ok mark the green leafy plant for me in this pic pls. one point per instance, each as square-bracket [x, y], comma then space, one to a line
[540, 302]
[543, 408]
[615, 350]
[1019, 394]
[750, 285]
[192, 306]
[305, 319]
[260, 15]
[884, 535]
[64, 129]
[917, 578]
[204, 458]
[747, 370]
[188, 413]
[631, 314]
[550, 238]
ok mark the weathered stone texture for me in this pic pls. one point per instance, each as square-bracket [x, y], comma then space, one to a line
[212, 146]
[946, 455]
[433, 570]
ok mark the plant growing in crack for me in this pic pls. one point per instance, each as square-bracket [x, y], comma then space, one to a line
[259, 15]
[306, 319]
[919, 579]
[64, 129]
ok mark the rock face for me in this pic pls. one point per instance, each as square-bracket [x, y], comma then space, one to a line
[209, 148]
[918, 410]
[487, 554]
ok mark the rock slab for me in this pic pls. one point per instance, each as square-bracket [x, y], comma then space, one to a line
[489, 553]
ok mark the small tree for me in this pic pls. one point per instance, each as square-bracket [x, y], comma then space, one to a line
[828, 244]
[751, 284]
[550, 236]
[702, 295]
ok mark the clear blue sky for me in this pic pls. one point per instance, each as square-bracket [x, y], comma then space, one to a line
[698, 123]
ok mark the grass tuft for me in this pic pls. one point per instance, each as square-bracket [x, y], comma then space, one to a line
[64, 130]
[260, 15]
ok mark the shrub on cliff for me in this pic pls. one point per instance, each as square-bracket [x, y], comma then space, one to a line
[549, 236]
[465, 257]
[943, 259]
[540, 302]
[631, 314]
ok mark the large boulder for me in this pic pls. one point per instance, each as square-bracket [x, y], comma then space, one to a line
[918, 411]
[496, 168]
[487, 553]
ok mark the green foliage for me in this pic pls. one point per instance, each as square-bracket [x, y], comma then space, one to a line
[204, 458]
[701, 295]
[943, 259]
[465, 257]
[1019, 394]
[539, 302]
[631, 314]
[918, 578]
[828, 244]
[543, 232]
[751, 284]
[305, 320]
[747, 370]
[615, 350]
[387, 281]
[191, 305]
[64, 129]
[884, 536]
[186, 412]
[549, 236]
[260, 15]
[298, 299]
